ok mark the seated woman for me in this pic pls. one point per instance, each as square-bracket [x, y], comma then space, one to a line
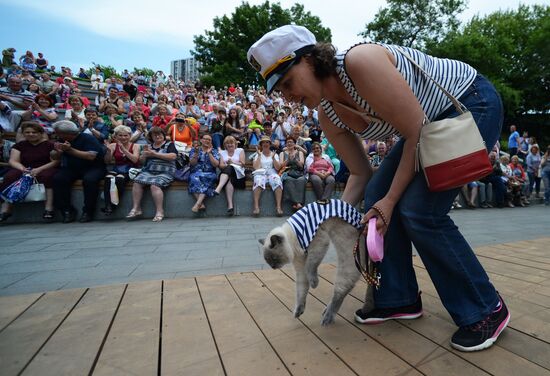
[120, 157]
[180, 130]
[232, 163]
[202, 177]
[294, 182]
[266, 164]
[140, 106]
[76, 112]
[190, 108]
[163, 117]
[111, 118]
[321, 172]
[31, 156]
[43, 112]
[519, 177]
[159, 165]
[513, 188]
[138, 125]
[234, 126]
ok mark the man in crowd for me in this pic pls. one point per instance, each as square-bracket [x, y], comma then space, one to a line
[513, 141]
[81, 157]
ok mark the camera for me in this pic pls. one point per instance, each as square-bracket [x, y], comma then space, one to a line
[179, 120]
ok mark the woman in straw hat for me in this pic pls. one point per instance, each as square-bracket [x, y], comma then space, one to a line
[378, 81]
[266, 164]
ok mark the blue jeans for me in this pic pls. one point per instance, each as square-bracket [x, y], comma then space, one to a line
[421, 217]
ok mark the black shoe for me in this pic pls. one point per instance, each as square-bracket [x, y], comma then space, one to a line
[108, 210]
[85, 217]
[230, 212]
[69, 216]
[379, 315]
[482, 334]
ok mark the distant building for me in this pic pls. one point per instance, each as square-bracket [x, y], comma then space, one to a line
[185, 69]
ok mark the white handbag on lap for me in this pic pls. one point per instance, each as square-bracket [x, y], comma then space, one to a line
[36, 193]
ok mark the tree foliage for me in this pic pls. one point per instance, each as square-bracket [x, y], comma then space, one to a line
[413, 23]
[222, 51]
[512, 49]
[108, 71]
[147, 72]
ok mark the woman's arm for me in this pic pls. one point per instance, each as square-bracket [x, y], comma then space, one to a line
[350, 149]
[257, 161]
[372, 69]
[15, 160]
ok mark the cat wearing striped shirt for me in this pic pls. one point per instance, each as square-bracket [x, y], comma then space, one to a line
[281, 247]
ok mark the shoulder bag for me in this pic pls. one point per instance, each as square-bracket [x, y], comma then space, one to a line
[450, 151]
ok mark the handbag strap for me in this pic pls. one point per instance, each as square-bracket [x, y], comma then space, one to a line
[459, 106]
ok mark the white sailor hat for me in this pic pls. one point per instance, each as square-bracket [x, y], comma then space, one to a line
[277, 51]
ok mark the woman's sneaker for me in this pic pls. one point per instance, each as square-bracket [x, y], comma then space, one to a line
[484, 333]
[379, 315]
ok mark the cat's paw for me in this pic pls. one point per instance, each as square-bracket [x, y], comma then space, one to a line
[313, 280]
[328, 317]
[299, 309]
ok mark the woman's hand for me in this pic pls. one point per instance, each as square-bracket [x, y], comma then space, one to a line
[382, 210]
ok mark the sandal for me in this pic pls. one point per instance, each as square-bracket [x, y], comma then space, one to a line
[256, 213]
[230, 212]
[279, 212]
[202, 207]
[48, 215]
[158, 218]
[134, 214]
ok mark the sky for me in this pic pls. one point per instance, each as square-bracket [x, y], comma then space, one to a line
[145, 33]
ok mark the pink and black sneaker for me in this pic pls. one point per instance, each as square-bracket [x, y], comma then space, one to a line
[484, 333]
[379, 315]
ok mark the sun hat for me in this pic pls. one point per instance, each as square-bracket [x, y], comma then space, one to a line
[264, 139]
[277, 51]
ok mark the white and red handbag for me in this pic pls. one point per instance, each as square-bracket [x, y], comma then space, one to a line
[451, 151]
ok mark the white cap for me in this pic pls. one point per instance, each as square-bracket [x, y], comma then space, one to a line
[275, 53]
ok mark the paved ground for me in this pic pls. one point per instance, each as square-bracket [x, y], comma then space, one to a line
[42, 257]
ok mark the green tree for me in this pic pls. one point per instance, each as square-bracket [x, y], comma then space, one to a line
[145, 71]
[512, 49]
[222, 51]
[107, 70]
[412, 23]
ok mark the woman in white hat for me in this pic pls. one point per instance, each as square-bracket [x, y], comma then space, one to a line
[378, 81]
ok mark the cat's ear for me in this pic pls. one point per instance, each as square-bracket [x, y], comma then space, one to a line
[261, 241]
[275, 240]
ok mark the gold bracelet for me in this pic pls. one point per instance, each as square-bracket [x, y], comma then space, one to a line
[381, 214]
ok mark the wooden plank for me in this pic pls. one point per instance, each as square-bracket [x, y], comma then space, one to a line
[301, 351]
[362, 353]
[513, 341]
[531, 249]
[12, 306]
[506, 254]
[74, 346]
[242, 346]
[20, 341]
[438, 326]
[427, 356]
[133, 343]
[187, 344]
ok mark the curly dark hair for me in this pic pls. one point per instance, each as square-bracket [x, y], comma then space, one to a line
[324, 60]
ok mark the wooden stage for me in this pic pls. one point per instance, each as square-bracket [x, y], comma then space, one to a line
[241, 324]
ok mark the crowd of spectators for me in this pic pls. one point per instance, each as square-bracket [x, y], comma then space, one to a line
[154, 130]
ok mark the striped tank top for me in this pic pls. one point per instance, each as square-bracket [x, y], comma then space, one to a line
[453, 75]
[306, 221]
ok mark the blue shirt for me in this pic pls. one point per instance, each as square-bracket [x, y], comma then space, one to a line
[513, 140]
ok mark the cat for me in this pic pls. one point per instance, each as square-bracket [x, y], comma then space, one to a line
[282, 247]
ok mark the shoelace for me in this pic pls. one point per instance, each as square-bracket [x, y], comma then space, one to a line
[478, 325]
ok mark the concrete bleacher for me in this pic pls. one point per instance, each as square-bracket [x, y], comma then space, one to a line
[177, 204]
